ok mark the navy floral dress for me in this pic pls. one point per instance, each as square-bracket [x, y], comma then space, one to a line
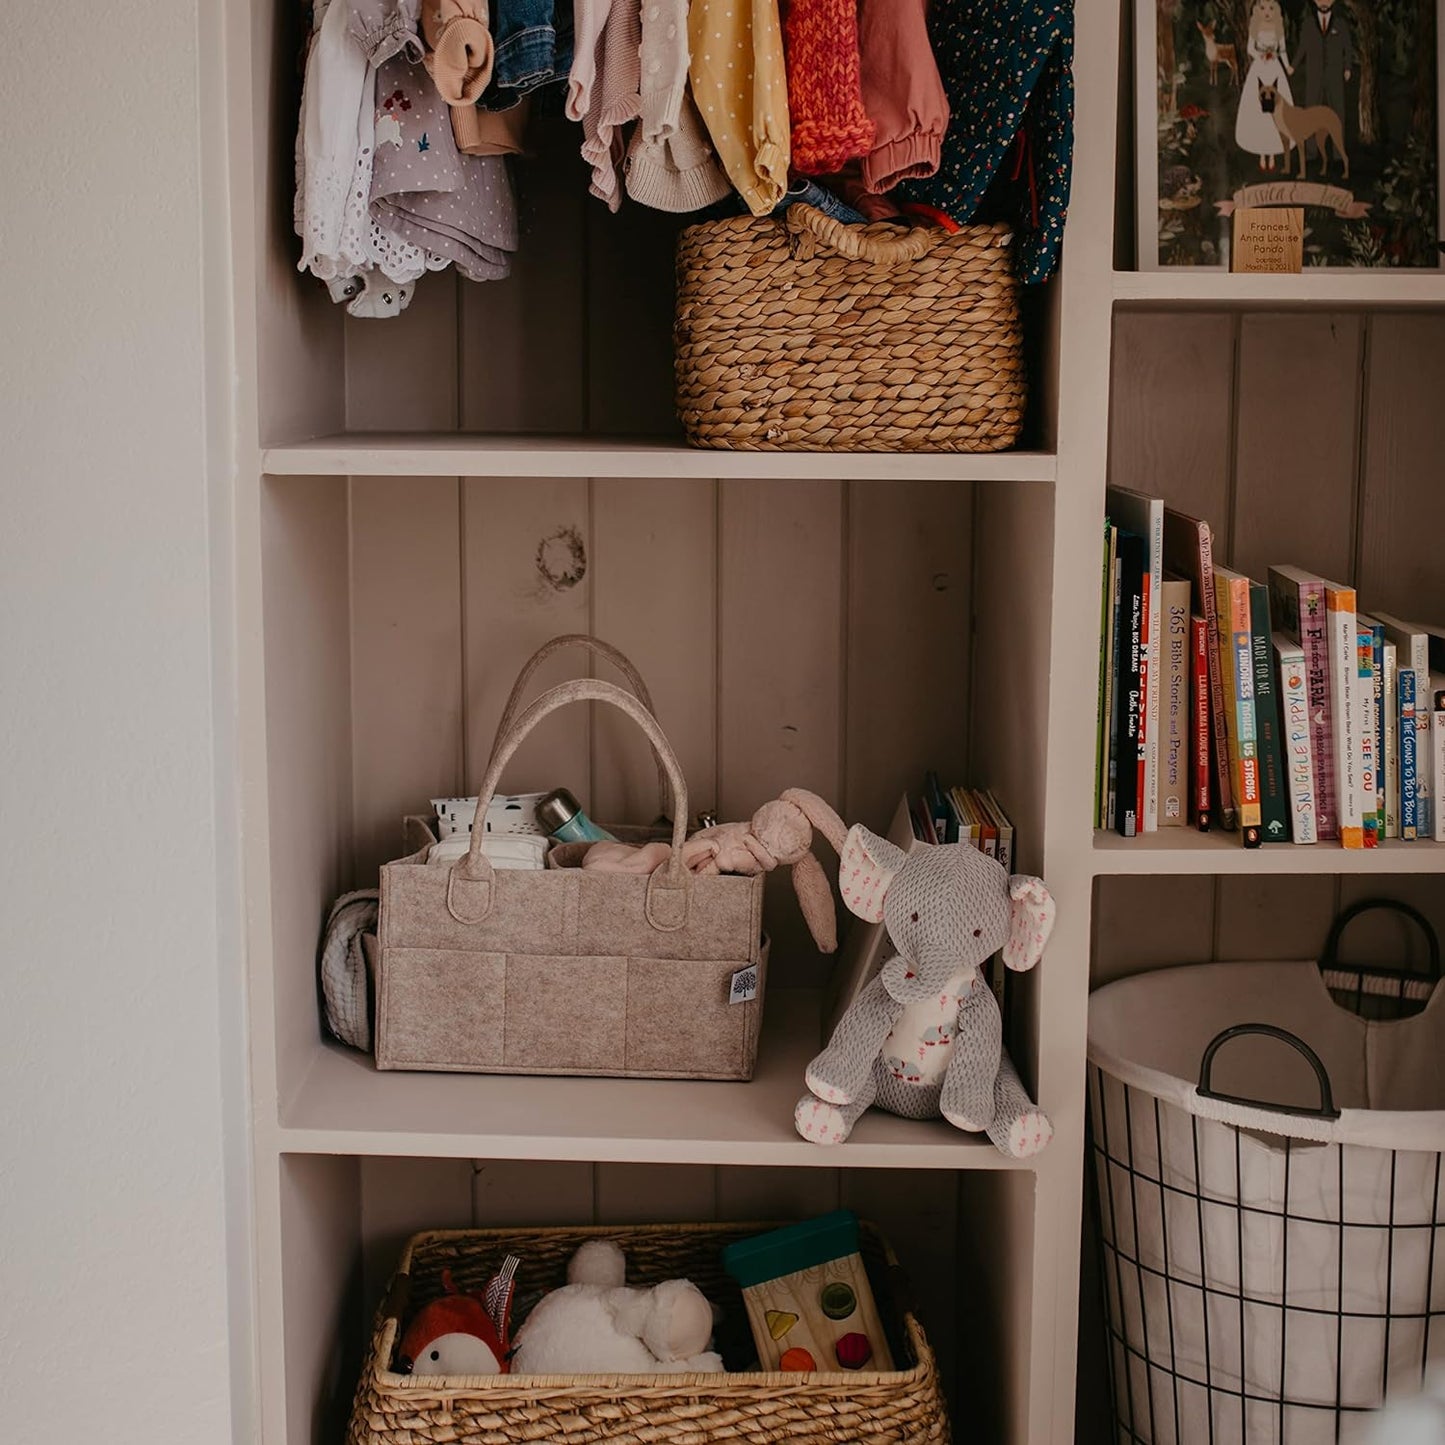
[1006, 65]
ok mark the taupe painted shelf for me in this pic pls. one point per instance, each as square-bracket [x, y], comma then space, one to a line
[1183, 850]
[454, 454]
[1314, 286]
[345, 1106]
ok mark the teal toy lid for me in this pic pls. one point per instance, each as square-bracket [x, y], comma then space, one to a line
[794, 1247]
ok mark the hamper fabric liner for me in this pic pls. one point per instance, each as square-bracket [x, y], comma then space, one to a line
[855, 1407]
[1272, 1265]
[804, 333]
[565, 970]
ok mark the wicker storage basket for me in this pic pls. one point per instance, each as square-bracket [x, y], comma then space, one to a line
[806, 334]
[901, 1407]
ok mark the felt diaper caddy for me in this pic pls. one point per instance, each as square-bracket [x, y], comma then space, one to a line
[565, 970]
[801, 332]
[900, 1406]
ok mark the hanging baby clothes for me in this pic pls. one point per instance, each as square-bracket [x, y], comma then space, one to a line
[589, 19]
[425, 191]
[825, 97]
[679, 173]
[459, 48]
[459, 59]
[670, 165]
[740, 83]
[481, 132]
[902, 93]
[340, 240]
[533, 47]
[613, 98]
[1007, 70]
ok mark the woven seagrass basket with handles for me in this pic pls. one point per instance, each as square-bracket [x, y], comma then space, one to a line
[802, 333]
[856, 1407]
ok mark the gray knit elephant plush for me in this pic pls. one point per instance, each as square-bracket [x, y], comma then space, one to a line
[925, 1037]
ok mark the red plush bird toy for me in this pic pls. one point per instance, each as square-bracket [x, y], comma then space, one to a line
[462, 1334]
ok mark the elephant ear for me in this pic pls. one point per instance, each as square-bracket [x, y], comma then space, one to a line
[1031, 920]
[867, 866]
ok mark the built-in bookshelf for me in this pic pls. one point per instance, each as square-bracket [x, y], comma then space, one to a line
[839, 622]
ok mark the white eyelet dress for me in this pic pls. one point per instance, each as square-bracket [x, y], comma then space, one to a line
[336, 139]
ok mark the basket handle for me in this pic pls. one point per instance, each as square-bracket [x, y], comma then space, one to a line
[1329, 957]
[809, 227]
[1326, 1109]
[598, 648]
[470, 886]
[393, 1307]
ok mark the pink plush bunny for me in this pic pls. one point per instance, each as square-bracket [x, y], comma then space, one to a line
[779, 835]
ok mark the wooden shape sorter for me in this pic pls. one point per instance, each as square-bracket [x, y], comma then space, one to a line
[808, 1299]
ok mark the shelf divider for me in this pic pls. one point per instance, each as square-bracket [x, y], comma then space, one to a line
[1316, 286]
[1186, 850]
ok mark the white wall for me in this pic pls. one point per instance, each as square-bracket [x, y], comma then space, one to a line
[115, 1135]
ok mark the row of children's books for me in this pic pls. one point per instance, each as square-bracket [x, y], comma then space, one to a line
[961, 815]
[1279, 708]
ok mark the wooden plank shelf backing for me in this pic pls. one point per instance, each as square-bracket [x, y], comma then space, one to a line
[1314, 286]
[1184, 850]
[345, 1106]
[453, 454]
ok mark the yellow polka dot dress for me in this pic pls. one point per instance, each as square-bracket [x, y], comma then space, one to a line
[740, 84]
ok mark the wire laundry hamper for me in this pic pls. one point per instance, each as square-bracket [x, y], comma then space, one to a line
[1273, 1265]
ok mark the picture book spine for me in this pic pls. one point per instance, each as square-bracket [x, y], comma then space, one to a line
[1369, 760]
[1413, 643]
[1101, 729]
[1345, 713]
[1131, 640]
[1111, 781]
[1390, 707]
[1209, 603]
[1378, 659]
[1438, 771]
[1424, 758]
[1005, 828]
[1274, 805]
[1147, 725]
[1199, 721]
[945, 826]
[1294, 718]
[1301, 614]
[1152, 681]
[1174, 706]
[1409, 790]
[1238, 661]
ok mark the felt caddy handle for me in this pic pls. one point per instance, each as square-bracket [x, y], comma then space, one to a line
[598, 648]
[471, 883]
[1326, 1109]
[809, 228]
[1329, 956]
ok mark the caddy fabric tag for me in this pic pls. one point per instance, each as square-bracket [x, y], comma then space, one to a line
[744, 986]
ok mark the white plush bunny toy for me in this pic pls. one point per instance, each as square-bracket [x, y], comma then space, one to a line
[596, 1324]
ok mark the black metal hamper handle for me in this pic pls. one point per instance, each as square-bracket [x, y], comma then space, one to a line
[1326, 1109]
[1329, 956]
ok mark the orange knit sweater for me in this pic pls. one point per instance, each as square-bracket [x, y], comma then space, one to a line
[825, 92]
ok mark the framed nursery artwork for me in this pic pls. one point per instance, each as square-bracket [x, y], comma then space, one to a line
[1330, 106]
